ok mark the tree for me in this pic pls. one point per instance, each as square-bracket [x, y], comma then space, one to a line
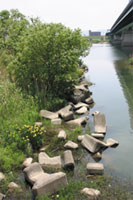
[12, 26]
[46, 64]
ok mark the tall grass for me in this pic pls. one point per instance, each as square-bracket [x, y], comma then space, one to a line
[131, 60]
[15, 109]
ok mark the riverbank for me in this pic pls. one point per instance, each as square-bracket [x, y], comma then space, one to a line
[41, 72]
[77, 178]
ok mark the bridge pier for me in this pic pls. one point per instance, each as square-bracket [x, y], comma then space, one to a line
[115, 39]
[121, 32]
[127, 38]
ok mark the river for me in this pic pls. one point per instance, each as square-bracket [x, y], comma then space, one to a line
[113, 96]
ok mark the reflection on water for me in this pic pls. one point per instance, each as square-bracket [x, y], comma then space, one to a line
[113, 94]
[125, 75]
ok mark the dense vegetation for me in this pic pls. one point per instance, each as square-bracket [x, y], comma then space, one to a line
[39, 65]
[42, 59]
[97, 39]
[130, 61]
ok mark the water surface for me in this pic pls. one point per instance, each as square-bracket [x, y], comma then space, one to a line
[113, 95]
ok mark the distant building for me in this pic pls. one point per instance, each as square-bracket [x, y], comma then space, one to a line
[94, 33]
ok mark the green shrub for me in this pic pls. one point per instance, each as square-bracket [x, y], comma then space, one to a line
[131, 61]
[23, 135]
[10, 158]
[47, 61]
[12, 25]
[15, 108]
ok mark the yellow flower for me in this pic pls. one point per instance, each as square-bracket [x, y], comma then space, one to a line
[34, 135]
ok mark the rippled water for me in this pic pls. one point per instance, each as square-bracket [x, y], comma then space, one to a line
[113, 95]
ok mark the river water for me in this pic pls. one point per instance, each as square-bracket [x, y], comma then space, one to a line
[113, 96]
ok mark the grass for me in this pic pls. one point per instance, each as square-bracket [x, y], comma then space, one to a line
[16, 110]
[97, 39]
[23, 194]
[19, 110]
[130, 61]
[51, 141]
[102, 183]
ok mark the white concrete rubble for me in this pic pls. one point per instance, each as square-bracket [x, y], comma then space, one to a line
[98, 135]
[49, 115]
[38, 123]
[62, 135]
[81, 110]
[95, 112]
[47, 162]
[89, 100]
[81, 104]
[71, 145]
[66, 113]
[56, 121]
[95, 168]
[82, 87]
[111, 142]
[92, 144]
[2, 196]
[33, 172]
[90, 192]
[14, 186]
[68, 159]
[50, 184]
[97, 155]
[99, 123]
[2, 176]
[44, 183]
[27, 162]
[80, 121]
[80, 138]
[81, 92]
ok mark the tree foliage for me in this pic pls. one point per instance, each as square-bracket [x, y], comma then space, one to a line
[47, 61]
[43, 59]
[12, 26]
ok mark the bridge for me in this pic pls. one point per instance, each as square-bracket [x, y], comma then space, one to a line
[121, 32]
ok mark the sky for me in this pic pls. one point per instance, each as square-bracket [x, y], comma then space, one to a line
[84, 14]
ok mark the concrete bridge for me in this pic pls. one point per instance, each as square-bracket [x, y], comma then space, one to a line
[121, 32]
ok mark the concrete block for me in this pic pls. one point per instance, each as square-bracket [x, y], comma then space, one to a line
[99, 123]
[33, 172]
[81, 110]
[99, 136]
[62, 135]
[89, 100]
[68, 159]
[49, 115]
[47, 162]
[50, 184]
[2, 196]
[80, 104]
[27, 162]
[90, 192]
[80, 138]
[71, 145]
[80, 121]
[95, 168]
[111, 142]
[92, 144]
[66, 113]
[56, 121]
